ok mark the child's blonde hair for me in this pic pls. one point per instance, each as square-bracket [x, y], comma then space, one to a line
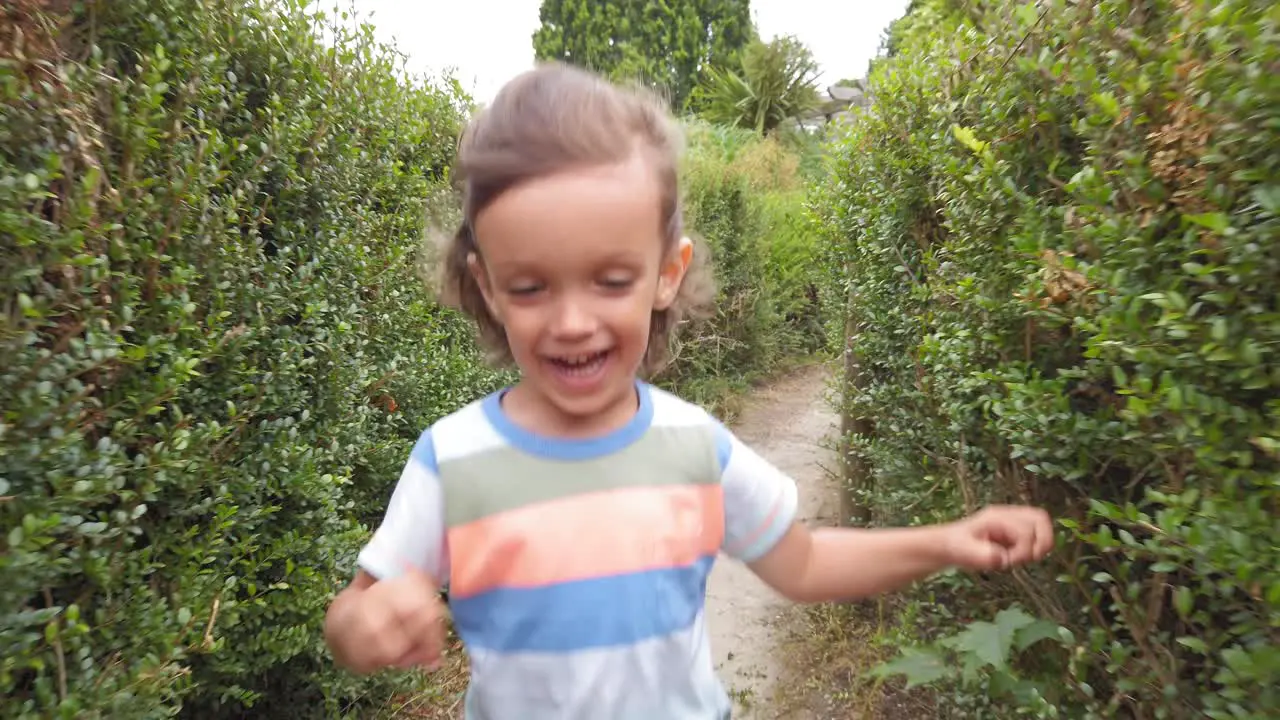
[545, 121]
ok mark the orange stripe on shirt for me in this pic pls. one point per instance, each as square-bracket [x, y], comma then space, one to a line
[611, 532]
[749, 540]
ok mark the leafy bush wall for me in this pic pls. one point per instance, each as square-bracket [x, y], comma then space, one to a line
[218, 348]
[1058, 229]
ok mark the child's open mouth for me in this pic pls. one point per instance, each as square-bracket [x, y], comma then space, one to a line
[581, 368]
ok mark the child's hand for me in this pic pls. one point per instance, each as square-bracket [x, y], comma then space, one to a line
[999, 537]
[395, 623]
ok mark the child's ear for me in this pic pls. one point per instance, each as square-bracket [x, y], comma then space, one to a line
[481, 276]
[674, 266]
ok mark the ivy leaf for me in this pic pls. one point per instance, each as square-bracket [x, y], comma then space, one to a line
[983, 641]
[1034, 633]
[990, 642]
[1011, 620]
[920, 667]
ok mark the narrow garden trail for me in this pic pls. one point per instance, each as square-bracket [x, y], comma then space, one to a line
[789, 422]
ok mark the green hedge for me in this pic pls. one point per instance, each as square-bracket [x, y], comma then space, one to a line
[744, 199]
[217, 348]
[1059, 231]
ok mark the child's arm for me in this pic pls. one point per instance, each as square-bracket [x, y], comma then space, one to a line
[390, 614]
[761, 530]
[374, 624]
[831, 564]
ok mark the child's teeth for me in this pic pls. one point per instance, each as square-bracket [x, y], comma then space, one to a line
[579, 359]
[579, 362]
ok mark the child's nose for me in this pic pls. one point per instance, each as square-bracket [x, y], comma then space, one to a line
[573, 318]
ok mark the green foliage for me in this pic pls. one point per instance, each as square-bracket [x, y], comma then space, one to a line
[775, 83]
[219, 348]
[1059, 233]
[668, 45]
[742, 197]
[978, 658]
[218, 351]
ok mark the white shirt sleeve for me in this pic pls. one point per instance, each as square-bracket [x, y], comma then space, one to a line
[759, 499]
[412, 532]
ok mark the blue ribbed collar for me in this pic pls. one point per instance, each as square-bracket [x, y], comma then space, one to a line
[570, 448]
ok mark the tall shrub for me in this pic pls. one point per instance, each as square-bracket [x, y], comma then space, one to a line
[217, 348]
[1059, 232]
[743, 198]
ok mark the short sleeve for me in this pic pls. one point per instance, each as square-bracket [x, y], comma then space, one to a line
[759, 499]
[412, 529]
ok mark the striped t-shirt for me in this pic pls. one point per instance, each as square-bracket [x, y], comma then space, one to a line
[577, 568]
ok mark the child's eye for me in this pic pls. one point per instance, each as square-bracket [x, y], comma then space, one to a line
[618, 283]
[524, 289]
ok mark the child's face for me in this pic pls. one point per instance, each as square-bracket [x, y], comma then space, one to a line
[573, 265]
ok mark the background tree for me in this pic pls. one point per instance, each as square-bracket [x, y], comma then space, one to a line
[775, 82]
[668, 44]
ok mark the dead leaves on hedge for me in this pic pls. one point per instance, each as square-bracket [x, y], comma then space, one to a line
[1061, 284]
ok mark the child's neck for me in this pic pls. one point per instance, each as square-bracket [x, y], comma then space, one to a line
[528, 408]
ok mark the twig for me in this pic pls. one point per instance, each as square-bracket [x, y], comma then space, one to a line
[1045, 603]
[905, 266]
[207, 641]
[925, 496]
[824, 469]
[1139, 633]
[1023, 41]
[966, 488]
[58, 652]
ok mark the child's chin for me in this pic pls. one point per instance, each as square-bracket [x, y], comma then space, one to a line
[584, 401]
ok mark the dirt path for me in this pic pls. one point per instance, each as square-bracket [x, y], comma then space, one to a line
[789, 423]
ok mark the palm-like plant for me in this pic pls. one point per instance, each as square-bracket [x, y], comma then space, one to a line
[775, 83]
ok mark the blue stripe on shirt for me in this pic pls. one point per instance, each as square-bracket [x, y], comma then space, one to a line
[582, 614]
[424, 452]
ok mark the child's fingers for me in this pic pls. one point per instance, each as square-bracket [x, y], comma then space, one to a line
[1035, 537]
[1030, 534]
[389, 648]
[1024, 551]
[424, 633]
[977, 553]
[1024, 548]
[1044, 535]
[422, 621]
[421, 654]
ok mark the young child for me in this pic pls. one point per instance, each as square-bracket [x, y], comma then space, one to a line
[575, 516]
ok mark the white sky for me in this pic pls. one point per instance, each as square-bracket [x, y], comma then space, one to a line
[488, 42]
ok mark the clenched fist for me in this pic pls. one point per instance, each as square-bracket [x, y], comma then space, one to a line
[375, 624]
[999, 537]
